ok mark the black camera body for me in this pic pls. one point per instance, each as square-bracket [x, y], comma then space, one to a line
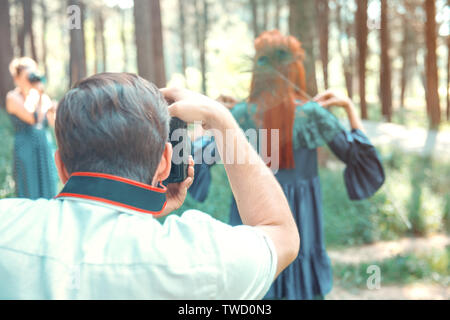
[35, 78]
[179, 171]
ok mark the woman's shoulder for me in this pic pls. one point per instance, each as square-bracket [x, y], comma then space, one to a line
[243, 113]
[314, 126]
[13, 94]
[13, 98]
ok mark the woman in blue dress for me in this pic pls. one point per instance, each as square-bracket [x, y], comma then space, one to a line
[31, 111]
[278, 101]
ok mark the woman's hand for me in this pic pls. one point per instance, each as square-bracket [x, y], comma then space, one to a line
[227, 101]
[330, 98]
[176, 192]
[193, 107]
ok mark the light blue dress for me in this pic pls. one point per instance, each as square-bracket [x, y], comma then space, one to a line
[34, 168]
[310, 275]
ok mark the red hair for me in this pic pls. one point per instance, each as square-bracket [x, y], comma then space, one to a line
[278, 81]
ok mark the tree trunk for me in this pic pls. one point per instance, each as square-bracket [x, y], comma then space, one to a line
[448, 75]
[101, 21]
[149, 41]
[432, 93]
[202, 21]
[385, 63]
[361, 39]
[123, 38]
[265, 23]
[323, 17]
[404, 72]
[44, 32]
[158, 44]
[255, 23]
[277, 14]
[77, 64]
[182, 27]
[6, 51]
[27, 30]
[347, 60]
[99, 41]
[302, 25]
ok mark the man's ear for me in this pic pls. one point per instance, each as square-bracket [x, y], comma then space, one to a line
[62, 171]
[163, 170]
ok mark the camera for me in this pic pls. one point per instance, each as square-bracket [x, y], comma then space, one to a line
[35, 78]
[181, 145]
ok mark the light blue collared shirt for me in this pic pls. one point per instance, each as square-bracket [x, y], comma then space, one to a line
[71, 248]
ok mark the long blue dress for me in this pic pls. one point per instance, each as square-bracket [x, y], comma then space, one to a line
[310, 275]
[33, 167]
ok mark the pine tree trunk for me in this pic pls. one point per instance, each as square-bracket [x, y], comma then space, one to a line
[101, 22]
[99, 41]
[448, 75]
[265, 24]
[182, 26]
[277, 14]
[385, 63]
[43, 39]
[143, 39]
[432, 93]
[323, 15]
[255, 22]
[26, 31]
[6, 51]
[77, 65]
[149, 41]
[158, 43]
[302, 25]
[347, 60]
[403, 72]
[123, 38]
[361, 39]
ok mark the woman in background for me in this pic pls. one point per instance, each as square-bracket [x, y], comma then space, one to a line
[278, 101]
[31, 111]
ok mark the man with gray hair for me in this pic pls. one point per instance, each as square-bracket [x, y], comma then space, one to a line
[100, 237]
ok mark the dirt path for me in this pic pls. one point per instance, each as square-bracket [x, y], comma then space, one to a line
[384, 250]
[416, 291]
[388, 249]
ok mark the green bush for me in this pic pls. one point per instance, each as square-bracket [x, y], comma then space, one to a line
[6, 156]
[401, 269]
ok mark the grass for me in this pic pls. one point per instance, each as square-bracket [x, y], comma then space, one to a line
[401, 269]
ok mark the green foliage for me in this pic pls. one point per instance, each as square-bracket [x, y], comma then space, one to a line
[401, 269]
[218, 202]
[6, 152]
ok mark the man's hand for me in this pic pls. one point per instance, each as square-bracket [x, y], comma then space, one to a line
[176, 192]
[192, 107]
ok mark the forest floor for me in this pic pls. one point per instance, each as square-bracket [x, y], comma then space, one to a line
[410, 139]
[384, 250]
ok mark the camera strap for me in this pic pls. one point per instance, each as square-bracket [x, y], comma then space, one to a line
[116, 191]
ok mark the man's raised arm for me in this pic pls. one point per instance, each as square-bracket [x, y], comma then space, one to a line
[259, 197]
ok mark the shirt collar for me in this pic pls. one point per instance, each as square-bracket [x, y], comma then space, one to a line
[117, 191]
